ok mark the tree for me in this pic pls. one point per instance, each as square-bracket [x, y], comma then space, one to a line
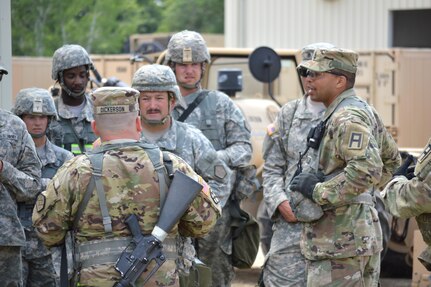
[205, 16]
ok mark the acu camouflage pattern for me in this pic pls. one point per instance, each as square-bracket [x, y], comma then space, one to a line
[285, 265]
[34, 101]
[69, 56]
[60, 132]
[187, 47]
[350, 157]
[194, 148]
[155, 78]
[225, 126]
[412, 198]
[20, 181]
[131, 186]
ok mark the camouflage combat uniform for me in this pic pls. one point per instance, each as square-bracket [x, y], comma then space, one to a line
[38, 268]
[131, 186]
[20, 180]
[230, 136]
[70, 130]
[412, 198]
[285, 265]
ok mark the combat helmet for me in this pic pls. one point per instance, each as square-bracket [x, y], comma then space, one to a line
[156, 78]
[67, 57]
[34, 101]
[187, 47]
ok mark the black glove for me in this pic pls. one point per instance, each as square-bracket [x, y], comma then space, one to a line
[404, 168]
[305, 183]
[410, 172]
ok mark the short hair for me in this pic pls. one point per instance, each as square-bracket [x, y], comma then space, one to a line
[115, 122]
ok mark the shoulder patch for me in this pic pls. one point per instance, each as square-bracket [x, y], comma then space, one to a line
[219, 171]
[40, 202]
[356, 140]
[270, 129]
[208, 192]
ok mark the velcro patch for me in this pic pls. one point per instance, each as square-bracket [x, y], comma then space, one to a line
[219, 171]
[40, 202]
[356, 140]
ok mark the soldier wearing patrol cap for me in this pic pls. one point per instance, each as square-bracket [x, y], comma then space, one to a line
[223, 123]
[36, 108]
[159, 95]
[406, 198]
[285, 139]
[345, 243]
[130, 184]
[19, 181]
[71, 67]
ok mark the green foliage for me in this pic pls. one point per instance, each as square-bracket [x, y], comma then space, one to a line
[39, 27]
[205, 16]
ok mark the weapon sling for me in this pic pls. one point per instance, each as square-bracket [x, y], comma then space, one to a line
[96, 159]
[192, 106]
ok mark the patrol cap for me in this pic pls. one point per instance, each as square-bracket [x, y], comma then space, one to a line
[308, 51]
[115, 100]
[325, 60]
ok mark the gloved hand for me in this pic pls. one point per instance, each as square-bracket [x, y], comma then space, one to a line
[404, 168]
[305, 183]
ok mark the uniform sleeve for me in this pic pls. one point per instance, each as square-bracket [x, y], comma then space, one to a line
[408, 198]
[238, 136]
[55, 207]
[357, 148]
[212, 169]
[23, 179]
[204, 211]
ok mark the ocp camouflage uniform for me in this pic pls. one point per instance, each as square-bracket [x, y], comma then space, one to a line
[412, 198]
[224, 125]
[285, 265]
[349, 231]
[131, 186]
[194, 148]
[20, 181]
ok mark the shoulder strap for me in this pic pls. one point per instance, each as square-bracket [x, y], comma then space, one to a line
[192, 106]
[280, 139]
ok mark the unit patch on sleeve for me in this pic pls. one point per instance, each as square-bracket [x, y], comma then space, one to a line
[356, 139]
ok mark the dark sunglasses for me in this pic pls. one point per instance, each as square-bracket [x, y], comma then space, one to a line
[303, 72]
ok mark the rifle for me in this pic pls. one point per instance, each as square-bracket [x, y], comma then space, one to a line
[147, 248]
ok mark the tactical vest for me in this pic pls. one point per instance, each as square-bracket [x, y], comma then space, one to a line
[208, 121]
[109, 249]
[71, 140]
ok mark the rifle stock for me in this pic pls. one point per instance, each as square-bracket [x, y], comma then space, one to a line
[131, 265]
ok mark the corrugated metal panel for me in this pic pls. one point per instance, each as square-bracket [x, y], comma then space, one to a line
[357, 24]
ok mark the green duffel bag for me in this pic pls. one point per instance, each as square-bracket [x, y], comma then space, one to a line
[199, 276]
[245, 236]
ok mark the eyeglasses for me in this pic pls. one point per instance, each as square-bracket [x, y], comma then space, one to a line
[303, 72]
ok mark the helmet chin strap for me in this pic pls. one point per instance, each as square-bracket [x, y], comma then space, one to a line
[37, 136]
[68, 91]
[156, 122]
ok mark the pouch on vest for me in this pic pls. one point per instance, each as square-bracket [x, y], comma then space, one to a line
[246, 182]
[200, 275]
[245, 236]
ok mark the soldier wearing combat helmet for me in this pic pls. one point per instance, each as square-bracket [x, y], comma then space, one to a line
[159, 95]
[215, 114]
[36, 108]
[71, 65]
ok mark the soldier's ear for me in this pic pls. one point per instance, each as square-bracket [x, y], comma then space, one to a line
[138, 124]
[94, 128]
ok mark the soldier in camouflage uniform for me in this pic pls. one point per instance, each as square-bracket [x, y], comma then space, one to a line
[71, 67]
[224, 125]
[20, 181]
[406, 198]
[131, 185]
[36, 108]
[286, 138]
[344, 244]
[159, 95]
